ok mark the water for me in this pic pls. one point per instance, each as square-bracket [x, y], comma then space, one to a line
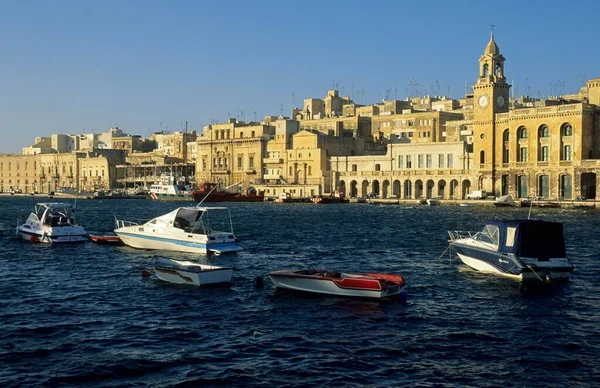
[82, 315]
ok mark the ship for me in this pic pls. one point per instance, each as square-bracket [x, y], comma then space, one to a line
[210, 192]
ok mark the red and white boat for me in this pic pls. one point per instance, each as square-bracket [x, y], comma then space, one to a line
[369, 285]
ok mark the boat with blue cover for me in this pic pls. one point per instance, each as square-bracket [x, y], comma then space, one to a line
[526, 250]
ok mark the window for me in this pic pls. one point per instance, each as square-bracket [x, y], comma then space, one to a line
[252, 134]
[450, 161]
[309, 170]
[240, 164]
[408, 161]
[203, 164]
[251, 162]
[482, 157]
[441, 160]
[420, 161]
[523, 154]
[567, 130]
[428, 160]
[544, 131]
[400, 161]
[544, 154]
[567, 153]
[377, 167]
[522, 133]
[354, 167]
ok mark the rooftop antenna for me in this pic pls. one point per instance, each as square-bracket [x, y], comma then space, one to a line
[292, 106]
[255, 116]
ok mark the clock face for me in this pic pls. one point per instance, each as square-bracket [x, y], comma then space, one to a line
[500, 101]
[483, 101]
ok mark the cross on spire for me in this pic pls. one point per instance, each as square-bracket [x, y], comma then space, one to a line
[492, 26]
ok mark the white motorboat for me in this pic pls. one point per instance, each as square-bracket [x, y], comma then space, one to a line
[340, 284]
[433, 201]
[188, 272]
[526, 250]
[203, 230]
[171, 188]
[52, 222]
[505, 201]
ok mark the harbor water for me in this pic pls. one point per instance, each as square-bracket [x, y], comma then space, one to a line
[82, 315]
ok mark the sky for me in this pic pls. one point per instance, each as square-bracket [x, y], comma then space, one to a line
[84, 66]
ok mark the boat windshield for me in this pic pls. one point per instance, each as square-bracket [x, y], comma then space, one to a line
[490, 234]
[542, 240]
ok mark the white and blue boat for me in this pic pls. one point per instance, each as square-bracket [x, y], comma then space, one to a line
[52, 223]
[525, 250]
[203, 230]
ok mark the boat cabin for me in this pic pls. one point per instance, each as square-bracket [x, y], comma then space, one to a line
[525, 238]
[55, 214]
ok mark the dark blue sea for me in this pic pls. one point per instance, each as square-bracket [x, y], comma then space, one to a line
[82, 315]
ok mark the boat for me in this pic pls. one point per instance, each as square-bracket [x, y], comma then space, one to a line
[335, 197]
[210, 192]
[505, 201]
[433, 202]
[171, 188]
[287, 198]
[108, 239]
[188, 272]
[468, 204]
[369, 285]
[52, 222]
[526, 250]
[185, 229]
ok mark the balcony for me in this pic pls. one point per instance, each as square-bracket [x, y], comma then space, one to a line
[272, 160]
[272, 176]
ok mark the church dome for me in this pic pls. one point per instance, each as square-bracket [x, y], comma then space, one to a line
[492, 47]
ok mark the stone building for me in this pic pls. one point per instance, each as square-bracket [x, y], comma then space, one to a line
[548, 151]
[232, 153]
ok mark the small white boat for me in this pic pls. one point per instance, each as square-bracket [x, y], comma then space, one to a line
[188, 272]
[203, 230]
[433, 202]
[525, 250]
[505, 201]
[369, 285]
[51, 223]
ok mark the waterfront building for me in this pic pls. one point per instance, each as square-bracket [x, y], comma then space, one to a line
[232, 153]
[547, 151]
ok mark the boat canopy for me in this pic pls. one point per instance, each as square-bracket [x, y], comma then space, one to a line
[194, 219]
[527, 238]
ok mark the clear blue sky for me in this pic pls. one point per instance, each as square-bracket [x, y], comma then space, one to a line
[83, 66]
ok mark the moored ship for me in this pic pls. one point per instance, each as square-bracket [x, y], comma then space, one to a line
[210, 192]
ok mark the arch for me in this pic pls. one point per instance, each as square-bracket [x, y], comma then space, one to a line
[375, 188]
[429, 189]
[342, 188]
[385, 187]
[522, 152]
[441, 189]
[418, 188]
[506, 146]
[566, 129]
[543, 131]
[482, 157]
[453, 189]
[485, 70]
[408, 189]
[353, 189]
[364, 189]
[396, 188]
[354, 168]
[466, 188]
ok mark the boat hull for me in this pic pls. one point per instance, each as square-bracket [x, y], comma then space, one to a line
[52, 236]
[185, 272]
[187, 245]
[486, 261]
[348, 287]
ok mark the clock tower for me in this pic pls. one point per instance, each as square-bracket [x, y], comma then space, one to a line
[490, 96]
